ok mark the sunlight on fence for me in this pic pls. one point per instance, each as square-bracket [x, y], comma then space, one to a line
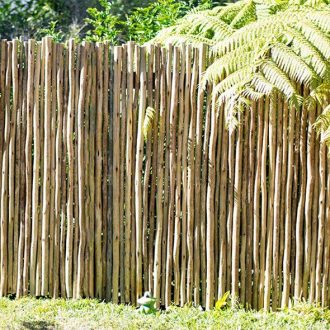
[100, 200]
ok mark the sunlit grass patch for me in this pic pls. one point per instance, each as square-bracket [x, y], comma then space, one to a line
[31, 313]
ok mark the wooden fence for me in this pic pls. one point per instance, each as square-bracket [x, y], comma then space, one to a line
[95, 204]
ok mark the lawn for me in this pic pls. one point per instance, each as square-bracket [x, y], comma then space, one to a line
[29, 313]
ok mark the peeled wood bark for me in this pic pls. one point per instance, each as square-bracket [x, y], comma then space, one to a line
[12, 248]
[52, 168]
[270, 222]
[28, 159]
[190, 190]
[256, 205]
[147, 172]
[167, 166]
[326, 255]
[177, 230]
[110, 186]
[116, 165]
[210, 210]
[152, 209]
[264, 209]
[309, 200]
[138, 174]
[283, 190]
[288, 219]
[47, 170]
[301, 207]
[250, 200]
[75, 184]
[92, 132]
[98, 172]
[277, 203]
[230, 206]
[316, 191]
[222, 210]
[3, 251]
[81, 176]
[160, 176]
[64, 177]
[70, 191]
[216, 198]
[295, 194]
[244, 212]
[135, 123]
[36, 174]
[19, 228]
[105, 171]
[185, 100]
[236, 212]
[128, 178]
[198, 157]
[42, 138]
[58, 172]
[4, 180]
[21, 202]
[173, 164]
[123, 124]
[87, 275]
[321, 222]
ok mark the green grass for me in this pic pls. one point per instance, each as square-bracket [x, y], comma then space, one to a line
[28, 313]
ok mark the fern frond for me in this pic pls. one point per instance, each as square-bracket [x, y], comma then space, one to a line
[246, 15]
[249, 35]
[306, 50]
[293, 65]
[251, 94]
[321, 94]
[314, 35]
[205, 22]
[322, 125]
[228, 12]
[316, 3]
[278, 78]
[232, 107]
[237, 78]
[231, 62]
[262, 85]
[148, 121]
[195, 40]
[321, 19]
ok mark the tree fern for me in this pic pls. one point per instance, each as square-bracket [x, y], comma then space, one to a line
[261, 47]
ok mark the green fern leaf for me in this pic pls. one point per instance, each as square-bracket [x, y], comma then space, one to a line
[148, 122]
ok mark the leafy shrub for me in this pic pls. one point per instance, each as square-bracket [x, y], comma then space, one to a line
[104, 25]
[140, 24]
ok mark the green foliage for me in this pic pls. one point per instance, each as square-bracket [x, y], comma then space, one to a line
[19, 17]
[261, 48]
[105, 25]
[139, 23]
[116, 20]
[144, 23]
[51, 31]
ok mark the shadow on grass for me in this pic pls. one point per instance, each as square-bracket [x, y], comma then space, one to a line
[35, 325]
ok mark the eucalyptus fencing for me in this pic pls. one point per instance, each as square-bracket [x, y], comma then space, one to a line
[118, 176]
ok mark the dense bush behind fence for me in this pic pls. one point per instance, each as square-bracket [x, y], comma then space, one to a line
[98, 201]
